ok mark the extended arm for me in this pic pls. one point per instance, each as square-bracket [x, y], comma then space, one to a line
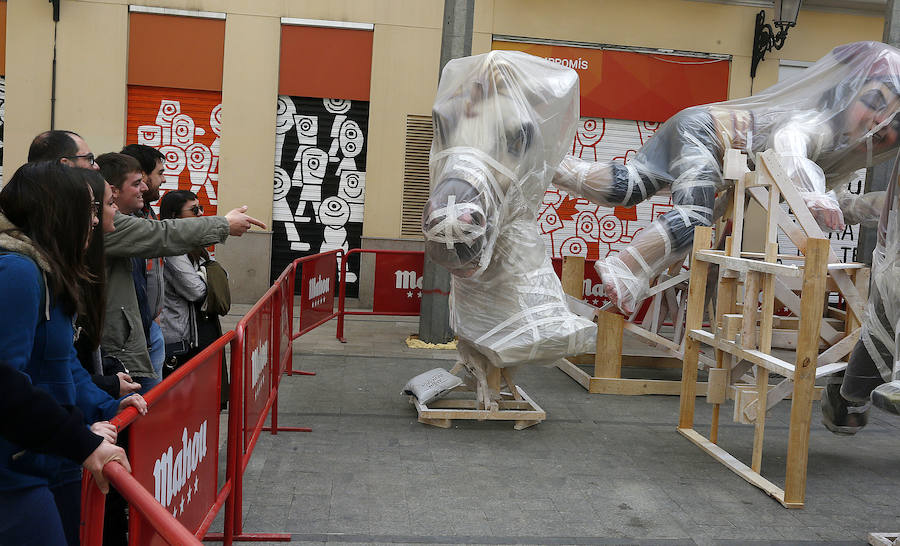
[139, 237]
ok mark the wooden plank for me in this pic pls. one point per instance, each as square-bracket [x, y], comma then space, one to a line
[744, 265]
[608, 359]
[649, 336]
[580, 376]
[771, 363]
[694, 320]
[635, 387]
[674, 281]
[817, 252]
[840, 349]
[734, 164]
[573, 276]
[726, 303]
[733, 464]
[717, 383]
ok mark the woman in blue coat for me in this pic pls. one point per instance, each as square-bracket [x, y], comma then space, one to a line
[45, 221]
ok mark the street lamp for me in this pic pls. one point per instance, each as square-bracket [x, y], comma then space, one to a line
[765, 38]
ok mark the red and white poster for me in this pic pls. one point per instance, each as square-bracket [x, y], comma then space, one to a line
[184, 125]
[174, 450]
[317, 284]
[398, 283]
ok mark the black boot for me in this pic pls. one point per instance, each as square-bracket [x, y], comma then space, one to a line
[840, 415]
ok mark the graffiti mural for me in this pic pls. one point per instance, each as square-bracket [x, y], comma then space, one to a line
[184, 126]
[577, 227]
[320, 180]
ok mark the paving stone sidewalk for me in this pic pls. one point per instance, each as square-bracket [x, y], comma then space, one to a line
[601, 469]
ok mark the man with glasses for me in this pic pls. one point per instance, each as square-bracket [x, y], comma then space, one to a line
[67, 147]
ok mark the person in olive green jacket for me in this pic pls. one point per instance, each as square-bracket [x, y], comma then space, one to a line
[123, 332]
[123, 335]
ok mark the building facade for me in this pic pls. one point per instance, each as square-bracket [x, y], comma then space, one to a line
[316, 114]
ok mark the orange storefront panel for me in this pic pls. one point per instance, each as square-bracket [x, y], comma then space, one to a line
[631, 85]
[184, 125]
[325, 62]
[174, 51]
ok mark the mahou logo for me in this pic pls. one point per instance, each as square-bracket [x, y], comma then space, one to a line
[592, 289]
[258, 360]
[406, 280]
[319, 286]
[170, 475]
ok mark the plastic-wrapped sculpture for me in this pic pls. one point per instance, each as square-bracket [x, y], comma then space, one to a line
[502, 123]
[835, 117]
[873, 371]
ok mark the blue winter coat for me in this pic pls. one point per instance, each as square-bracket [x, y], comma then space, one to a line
[44, 350]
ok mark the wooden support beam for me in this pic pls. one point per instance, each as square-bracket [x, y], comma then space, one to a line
[817, 252]
[608, 359]
[696, 295]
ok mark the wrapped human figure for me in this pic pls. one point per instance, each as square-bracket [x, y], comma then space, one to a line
[872, 372]
[502, 123]
[835, 117]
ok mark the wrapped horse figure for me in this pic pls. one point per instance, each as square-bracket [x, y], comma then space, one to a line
[502, 123]
[837, 116]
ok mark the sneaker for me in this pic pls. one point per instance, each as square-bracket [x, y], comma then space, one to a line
[840, 415]
[887, 397]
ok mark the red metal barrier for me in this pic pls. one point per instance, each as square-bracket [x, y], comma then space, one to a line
[397, 284]
[173, 452]
[175, 464]
[317, 281]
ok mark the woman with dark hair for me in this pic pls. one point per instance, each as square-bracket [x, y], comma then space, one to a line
[45, 221]
[186, 326]
[107, 372]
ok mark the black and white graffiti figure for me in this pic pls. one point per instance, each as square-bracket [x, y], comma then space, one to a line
[319, 181]
[502, 123]
[835, 117]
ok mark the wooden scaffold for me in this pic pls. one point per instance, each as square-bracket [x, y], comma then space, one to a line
[742, 332]
[667, 298]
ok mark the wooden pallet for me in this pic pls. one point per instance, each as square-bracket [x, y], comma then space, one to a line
[466, 402]
[742, 332]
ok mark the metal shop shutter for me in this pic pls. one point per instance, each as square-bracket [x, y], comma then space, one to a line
[183, 124]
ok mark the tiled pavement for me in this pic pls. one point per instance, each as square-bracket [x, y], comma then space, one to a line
[601, 469]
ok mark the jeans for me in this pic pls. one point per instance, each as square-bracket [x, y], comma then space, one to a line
[157, 357]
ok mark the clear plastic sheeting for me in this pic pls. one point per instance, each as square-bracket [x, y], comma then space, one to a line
[502, 124]
[881, 324]
[835, 117]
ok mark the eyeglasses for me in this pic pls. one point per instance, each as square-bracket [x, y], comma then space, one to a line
[88, 157]
[197, 210]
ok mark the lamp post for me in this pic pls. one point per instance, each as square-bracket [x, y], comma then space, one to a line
[765, 38]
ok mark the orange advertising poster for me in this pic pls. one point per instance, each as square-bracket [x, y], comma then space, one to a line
[632, 85]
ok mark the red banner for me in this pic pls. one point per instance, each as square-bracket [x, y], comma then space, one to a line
[317, 284]
[174, 450]
[632, 85]
[398, 283]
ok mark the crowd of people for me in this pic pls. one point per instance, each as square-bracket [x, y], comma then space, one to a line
[108, 299]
